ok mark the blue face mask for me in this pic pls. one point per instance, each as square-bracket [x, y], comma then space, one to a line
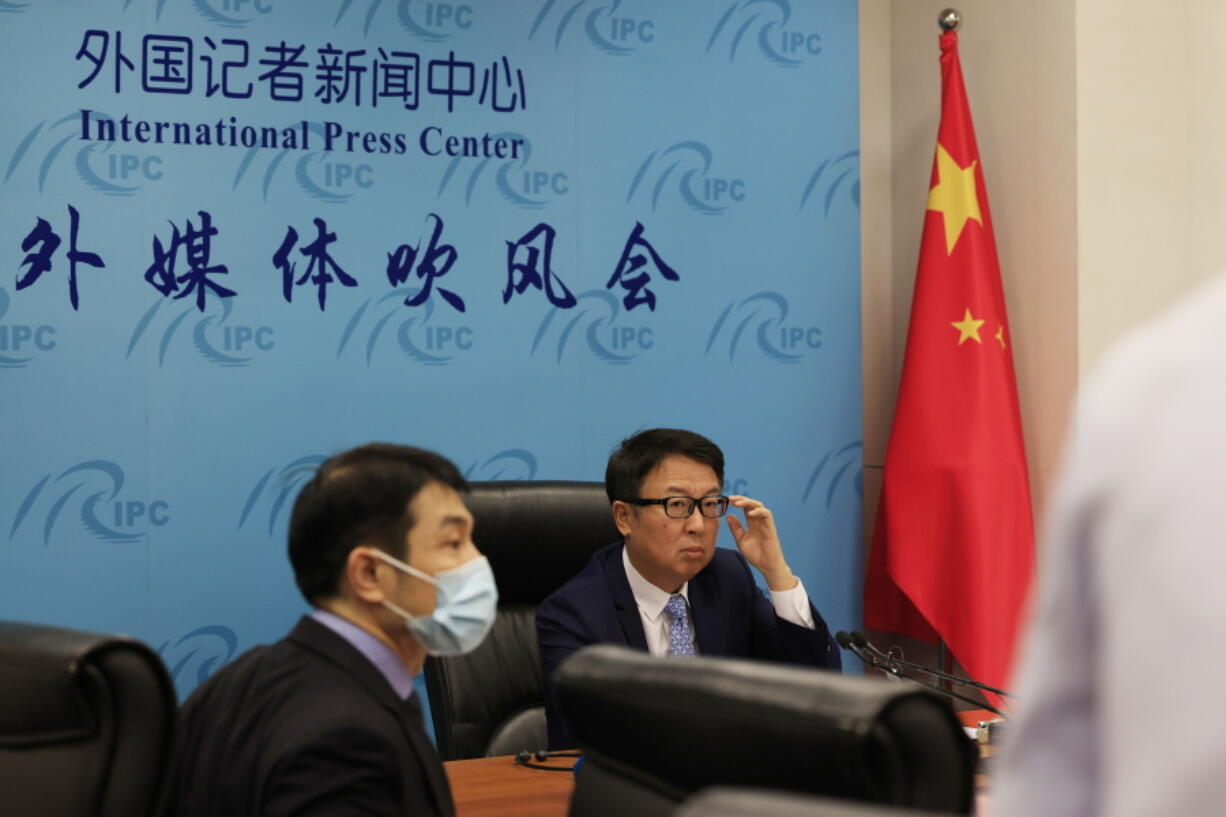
[467, 601]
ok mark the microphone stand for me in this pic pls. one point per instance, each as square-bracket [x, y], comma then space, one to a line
[846, 643]
[858, 639]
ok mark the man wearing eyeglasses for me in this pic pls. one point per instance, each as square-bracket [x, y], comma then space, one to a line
[666, 588]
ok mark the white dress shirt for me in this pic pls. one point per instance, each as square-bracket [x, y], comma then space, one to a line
[1124, 665]
[790, 605]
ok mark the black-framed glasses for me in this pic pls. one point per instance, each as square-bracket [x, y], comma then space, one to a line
[680, 507]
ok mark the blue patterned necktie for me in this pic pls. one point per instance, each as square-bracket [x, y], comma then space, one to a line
[680, 641]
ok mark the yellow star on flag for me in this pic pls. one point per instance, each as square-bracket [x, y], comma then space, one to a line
[954, 196]
[1000, 335]
[969, 327]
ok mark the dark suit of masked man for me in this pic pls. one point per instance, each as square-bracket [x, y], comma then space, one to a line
[325, 721]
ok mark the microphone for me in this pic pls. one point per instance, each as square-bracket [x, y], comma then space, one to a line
[526, 759]
[848, 643]
[859, 640]
[845, 641]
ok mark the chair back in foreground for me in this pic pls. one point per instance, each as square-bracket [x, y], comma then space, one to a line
[732, 802]
[86, 724]
[537, 535]
[655, 730]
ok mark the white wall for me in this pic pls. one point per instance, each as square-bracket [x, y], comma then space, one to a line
[1151, 104]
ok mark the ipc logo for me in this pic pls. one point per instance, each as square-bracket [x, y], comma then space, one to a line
[837, 469]
[511, 464]
[228, 13]
[832, 175]
[323, 177]
[418, 336]
[608, 27]
[108, 167]
[522, 184]
[192, 658]
[213, 335]
[107, 514]
[688, 165]
[767, 22]
[114, 173]
[319, 173]
[762, 317]
[592, 322]
[277, 487]
[434, 21]
[19, 340]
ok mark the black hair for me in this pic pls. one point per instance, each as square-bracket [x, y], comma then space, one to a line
[359, 497]
[639, 453]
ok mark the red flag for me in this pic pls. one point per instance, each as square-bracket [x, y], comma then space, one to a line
[953, 548]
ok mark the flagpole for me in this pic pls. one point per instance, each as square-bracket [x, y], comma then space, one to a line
[949, 20]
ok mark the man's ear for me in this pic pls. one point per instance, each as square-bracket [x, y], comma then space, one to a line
[362, 575]
[621, 516]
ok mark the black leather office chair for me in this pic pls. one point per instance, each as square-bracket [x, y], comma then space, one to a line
[86, 724]
[655, 730]
[733, 802]
[536, 536]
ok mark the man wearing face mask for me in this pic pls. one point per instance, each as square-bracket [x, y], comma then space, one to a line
[325, 721]
[665, 588]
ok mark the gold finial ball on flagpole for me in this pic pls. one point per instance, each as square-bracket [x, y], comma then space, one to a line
[950, 19]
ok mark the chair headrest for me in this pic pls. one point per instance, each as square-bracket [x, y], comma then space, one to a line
[724, 801]
[538, 534]
[43, 684]
[655, 687]
[751, 723]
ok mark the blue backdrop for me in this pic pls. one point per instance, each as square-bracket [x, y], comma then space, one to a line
[242, 235]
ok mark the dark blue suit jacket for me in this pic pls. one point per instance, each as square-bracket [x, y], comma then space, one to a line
[732, 617]
[305, 727]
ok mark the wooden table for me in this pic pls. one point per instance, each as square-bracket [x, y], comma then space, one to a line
[972, 717]
[496, 786]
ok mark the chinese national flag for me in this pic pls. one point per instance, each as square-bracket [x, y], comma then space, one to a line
[953, 548]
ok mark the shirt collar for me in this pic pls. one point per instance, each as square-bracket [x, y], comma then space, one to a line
[375, 651]
[649, 598]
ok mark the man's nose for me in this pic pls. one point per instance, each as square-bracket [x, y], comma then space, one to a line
[695, 521]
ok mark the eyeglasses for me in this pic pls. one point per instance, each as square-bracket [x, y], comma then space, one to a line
[680, 507]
